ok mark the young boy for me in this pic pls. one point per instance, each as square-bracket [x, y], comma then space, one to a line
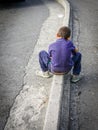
[62, 56]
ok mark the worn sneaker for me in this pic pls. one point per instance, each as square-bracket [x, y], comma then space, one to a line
[43, 74]
[75, 78]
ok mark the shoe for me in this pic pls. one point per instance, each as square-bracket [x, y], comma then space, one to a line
[75, 78]
[44, 74]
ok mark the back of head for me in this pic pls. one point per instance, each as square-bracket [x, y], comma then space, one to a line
[64, 32]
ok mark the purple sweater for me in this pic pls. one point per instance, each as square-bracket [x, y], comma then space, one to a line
[60, 53]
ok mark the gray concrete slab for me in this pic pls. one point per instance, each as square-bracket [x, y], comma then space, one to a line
[57, 115]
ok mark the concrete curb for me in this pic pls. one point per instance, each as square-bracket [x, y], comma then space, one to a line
[53, 109]
[52, 117]
[66, 6]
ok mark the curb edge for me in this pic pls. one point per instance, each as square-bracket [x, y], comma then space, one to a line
[54, 104]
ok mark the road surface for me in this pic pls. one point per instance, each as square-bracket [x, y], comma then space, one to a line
[20, 25]
[84, 95]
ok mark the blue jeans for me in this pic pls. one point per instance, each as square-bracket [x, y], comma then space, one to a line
[45, 60]
[77, 63]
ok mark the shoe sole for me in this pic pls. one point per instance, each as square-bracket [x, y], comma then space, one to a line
[75, 81]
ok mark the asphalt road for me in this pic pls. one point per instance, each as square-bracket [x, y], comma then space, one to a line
[84, 95]
[20, 25]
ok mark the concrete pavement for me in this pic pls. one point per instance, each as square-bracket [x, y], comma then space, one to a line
[30, 106]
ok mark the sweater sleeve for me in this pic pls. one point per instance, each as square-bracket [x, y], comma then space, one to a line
[72, 46]
[49, 51]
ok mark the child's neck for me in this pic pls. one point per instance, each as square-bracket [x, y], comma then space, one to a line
[58, 37]
[63, 38]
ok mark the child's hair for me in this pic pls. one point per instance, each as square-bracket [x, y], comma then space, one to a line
[64, 32]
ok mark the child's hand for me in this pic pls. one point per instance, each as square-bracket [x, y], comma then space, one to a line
[76, 50]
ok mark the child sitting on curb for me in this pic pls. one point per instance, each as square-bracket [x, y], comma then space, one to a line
[62, 56]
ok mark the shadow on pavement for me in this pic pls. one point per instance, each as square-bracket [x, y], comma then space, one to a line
[10, 4]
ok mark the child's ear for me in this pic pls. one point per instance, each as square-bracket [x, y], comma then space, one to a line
[68, 38]
[57, 35]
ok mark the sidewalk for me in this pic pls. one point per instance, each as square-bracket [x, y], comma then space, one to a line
[29, 109]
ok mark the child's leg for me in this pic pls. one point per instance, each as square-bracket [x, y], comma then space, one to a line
[44, 60]
[77, 63]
